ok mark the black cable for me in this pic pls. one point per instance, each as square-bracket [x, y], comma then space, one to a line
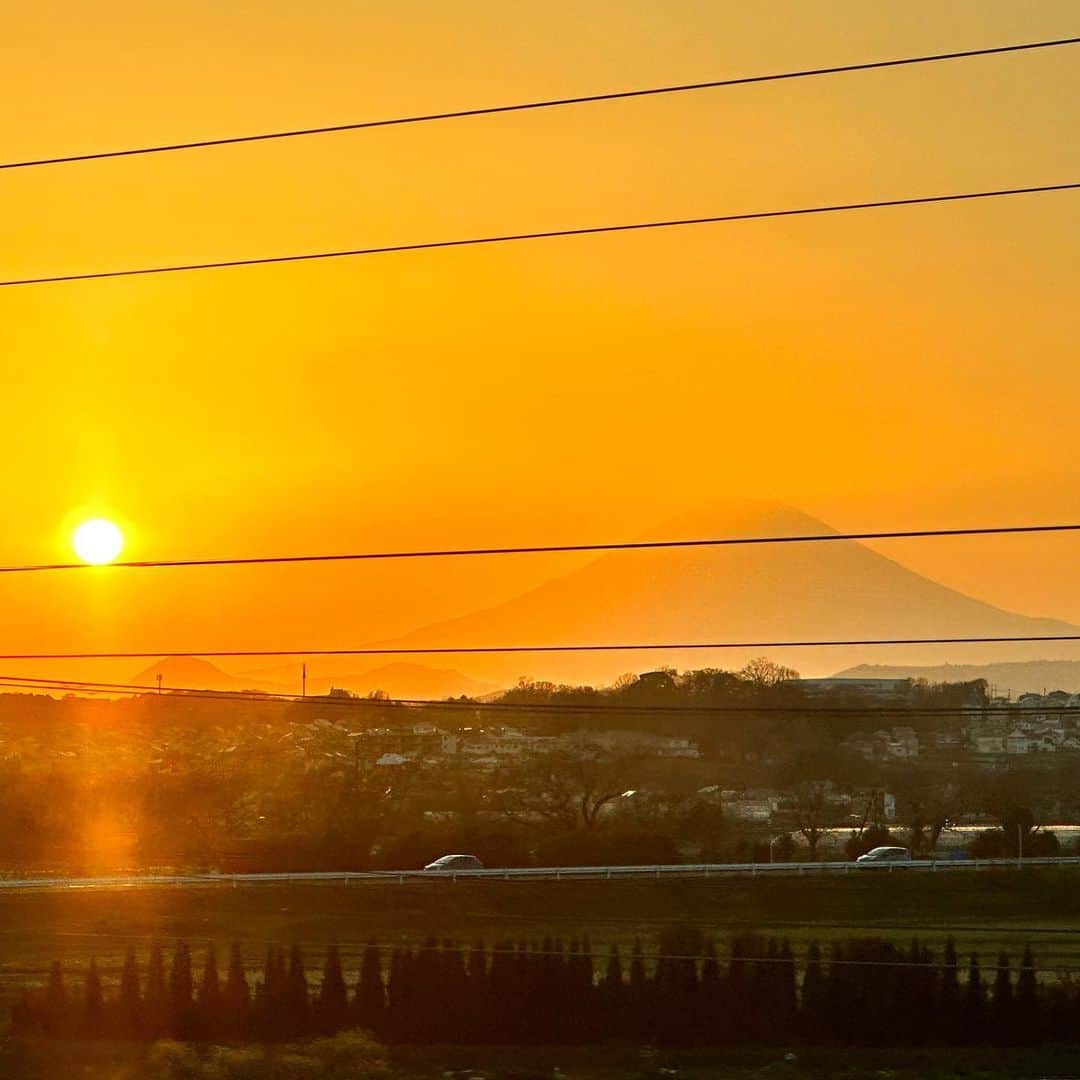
[548, 234]
[612, 647]
[204, 693]
[550, 103]
[537, 549]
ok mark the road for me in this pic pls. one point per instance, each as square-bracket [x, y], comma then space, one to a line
[549, 873]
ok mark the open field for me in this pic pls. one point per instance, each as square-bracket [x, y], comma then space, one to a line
[985, 912]
[353, 1055]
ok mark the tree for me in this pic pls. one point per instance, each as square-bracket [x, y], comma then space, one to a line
[93, 1015]
[568, 788]
[236, 999]
[764, 673]
[297, 1000]
[949, 1013]
[927, 798]
[1001, 1006]
[369, 1002]
[815, 998]
[332, 1008]
[811, 812]
[1028, 1028]
[974, 1018]
[181, 989]
[156, 1004]
[130, 1019]
[208, 1006]
[57, 1020]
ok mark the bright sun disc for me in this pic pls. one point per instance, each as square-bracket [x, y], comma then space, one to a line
[98, 541]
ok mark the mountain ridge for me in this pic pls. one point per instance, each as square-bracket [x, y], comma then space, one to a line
[814, 591]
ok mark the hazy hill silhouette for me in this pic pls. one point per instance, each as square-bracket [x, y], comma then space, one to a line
[405, 679]
[1015, 677]
[398, 679]
[193, 672]
[815, 591]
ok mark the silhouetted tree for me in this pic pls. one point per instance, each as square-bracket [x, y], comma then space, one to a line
[950, 1020]
[1003, 1019]
[297, 1000]
[974, 1012]
[57, 1020]
[181, 990]
[130, 1016]
[156, 1002]
[236, 999]
[332, 1007]
[1027, 1006]
[208, 1012]
[369, 1002]
[92, 1021]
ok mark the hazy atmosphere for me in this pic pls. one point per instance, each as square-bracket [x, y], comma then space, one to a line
[896, 369]
[540, 540]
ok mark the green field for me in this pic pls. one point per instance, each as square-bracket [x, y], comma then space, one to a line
[984, 911]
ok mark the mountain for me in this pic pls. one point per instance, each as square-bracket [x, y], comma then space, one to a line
[813, 591]
[399, 679]
[405, 680]
[191, 672]
[1013, 677]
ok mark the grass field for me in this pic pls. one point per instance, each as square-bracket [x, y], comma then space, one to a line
[985, 911]
[352, 1055]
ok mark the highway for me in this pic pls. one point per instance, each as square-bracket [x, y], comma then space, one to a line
[548, 873]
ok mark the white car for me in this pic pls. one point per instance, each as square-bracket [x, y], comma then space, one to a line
[455, 862]
[878, 855]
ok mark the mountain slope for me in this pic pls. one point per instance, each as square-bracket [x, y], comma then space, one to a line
[179, 672]
[404, 679]
[809, 591]
[1015, 677]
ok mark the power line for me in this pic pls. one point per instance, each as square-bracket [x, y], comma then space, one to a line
[426, 945]
[548, 234]
[548, 103]
[608, 647]
[732, 928]
[932, 966]
[537, 549]
[320, 701]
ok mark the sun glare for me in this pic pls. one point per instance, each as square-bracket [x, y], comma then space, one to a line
[98, 541]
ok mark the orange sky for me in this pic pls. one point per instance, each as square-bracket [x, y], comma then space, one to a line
[894, 369]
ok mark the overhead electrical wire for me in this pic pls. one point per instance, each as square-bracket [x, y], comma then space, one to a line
[463, 650]
[546, 549]
[533, 106]
[545, 234]
[594, 707]
[626, 953]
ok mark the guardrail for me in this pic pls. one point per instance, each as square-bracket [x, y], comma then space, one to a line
[547, 873]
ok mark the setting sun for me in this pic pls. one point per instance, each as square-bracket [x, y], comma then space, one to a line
[98, 541]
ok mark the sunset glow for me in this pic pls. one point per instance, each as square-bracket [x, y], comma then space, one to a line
[98, 541]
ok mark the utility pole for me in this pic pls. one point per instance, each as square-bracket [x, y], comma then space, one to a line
[303, 679]
[159, 682]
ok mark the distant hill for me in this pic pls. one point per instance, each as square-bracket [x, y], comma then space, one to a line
[1015, 677]
[762, 592]
[399, 679]
[405, 680]
[192, 672]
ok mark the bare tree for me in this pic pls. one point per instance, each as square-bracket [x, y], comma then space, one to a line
[568, 787]
[811, 812]
[763, 672]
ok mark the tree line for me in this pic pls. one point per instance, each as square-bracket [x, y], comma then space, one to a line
[863, 991]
